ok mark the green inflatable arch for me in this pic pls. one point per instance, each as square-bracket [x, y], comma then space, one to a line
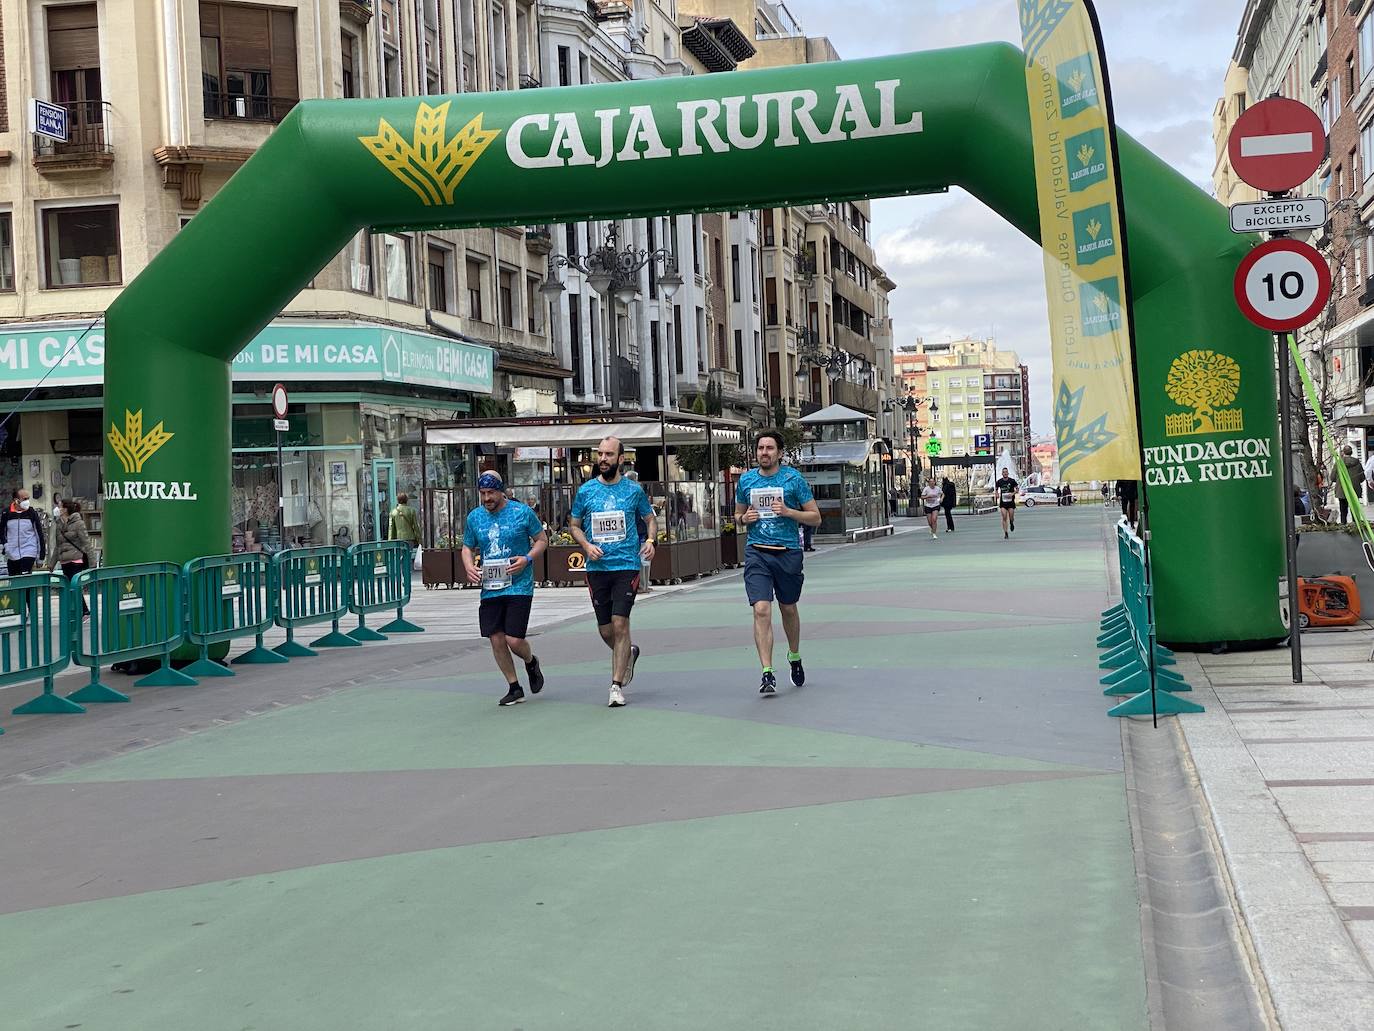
[848, 129]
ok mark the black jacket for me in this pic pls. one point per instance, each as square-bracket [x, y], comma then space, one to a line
[949, 496]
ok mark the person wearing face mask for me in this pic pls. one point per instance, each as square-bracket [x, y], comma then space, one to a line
[22, 532]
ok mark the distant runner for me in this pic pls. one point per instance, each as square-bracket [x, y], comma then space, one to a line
[1006, 490]
[932, 497]
[604, 523]
[508, 535]
[771, 501]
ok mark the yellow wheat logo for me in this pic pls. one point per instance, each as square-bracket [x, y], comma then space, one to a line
[1101, 304]
[133, 447]
[5, 602]
[1076, 80]
[1094, 228]
[429, 165]
[128, 585]
[1203, 381]
[1085, 154]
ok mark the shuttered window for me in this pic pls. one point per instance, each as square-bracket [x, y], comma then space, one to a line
[248, 56]
[73, 38]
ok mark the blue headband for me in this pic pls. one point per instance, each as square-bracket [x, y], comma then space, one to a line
[490, 481]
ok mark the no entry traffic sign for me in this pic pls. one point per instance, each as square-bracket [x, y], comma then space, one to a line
[279, 401]
[1282, 284]
[1277, 144]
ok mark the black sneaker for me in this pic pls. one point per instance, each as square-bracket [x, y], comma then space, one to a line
[514, 696]
[769, 684]
[634, 657]
[798, 674]
[536, 674]
[1013, 526]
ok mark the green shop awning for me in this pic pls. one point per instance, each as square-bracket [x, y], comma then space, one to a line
[65, 354]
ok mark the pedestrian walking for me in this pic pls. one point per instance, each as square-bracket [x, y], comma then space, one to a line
[772, 500]
[931, 496]
[71, 542]
[405, 523]
[1129, 493]
[1006, 489]
[892, 502]
[509, 537]
[1356, 473]
[606, 520]
[22, 531]
[948, 498]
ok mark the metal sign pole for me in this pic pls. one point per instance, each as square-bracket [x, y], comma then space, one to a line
[1290, 537]
[281, 499]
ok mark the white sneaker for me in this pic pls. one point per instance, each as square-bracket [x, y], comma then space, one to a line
[617, 697]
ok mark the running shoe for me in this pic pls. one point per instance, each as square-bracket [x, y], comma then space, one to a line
[769, 685]
[536, 674]
[798, 674]
[634, 657]
[514, 696]
[1005, 535]
[617, 698]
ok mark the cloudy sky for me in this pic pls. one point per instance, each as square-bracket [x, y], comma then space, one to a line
[961, 270]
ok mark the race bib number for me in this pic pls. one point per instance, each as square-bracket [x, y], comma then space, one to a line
[608, 527]
[495, 574]
[1008, 495]
[761, 500]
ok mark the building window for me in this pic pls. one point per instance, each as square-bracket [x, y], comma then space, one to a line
[506, 289]
[575, 341]
[474, 282]
[768, 227]
[534, 306]
[739, 351]
[81, 246]
[696, 244]
[734, 272]
[248, 61]
[74, 57]
[360, 263]
[1335, 99]
[6, 252]
[498, 46]
[348, 55]
[400, 284]
[439, 277]
[677, 337]
[392, 86]
[570, 232]
[564, 66]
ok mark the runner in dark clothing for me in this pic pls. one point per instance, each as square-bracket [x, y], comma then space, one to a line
[1005, 491]
[947, 503]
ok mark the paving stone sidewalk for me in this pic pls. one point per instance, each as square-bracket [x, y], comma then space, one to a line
[1288, 772]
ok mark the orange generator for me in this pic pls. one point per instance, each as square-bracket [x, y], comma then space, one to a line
[1328, 601]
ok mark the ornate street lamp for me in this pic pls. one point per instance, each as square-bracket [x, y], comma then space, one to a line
[911, 404]
[614, 273]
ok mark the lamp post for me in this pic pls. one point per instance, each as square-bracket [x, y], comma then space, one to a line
[911, 404]
[834, 362]
[614, 274]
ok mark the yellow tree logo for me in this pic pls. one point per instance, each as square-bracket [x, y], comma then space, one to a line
[1085, 155]
[428, 164]
[133, 447]
[1094, 228]
[1203, 381]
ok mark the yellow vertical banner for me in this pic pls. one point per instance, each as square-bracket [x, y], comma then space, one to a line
[1083, 241]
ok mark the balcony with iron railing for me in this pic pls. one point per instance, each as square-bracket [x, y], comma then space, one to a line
[528, 81]
[245, 108]
[89, 146]
[539, 239]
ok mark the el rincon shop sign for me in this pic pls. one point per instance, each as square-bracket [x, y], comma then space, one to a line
[60, 352]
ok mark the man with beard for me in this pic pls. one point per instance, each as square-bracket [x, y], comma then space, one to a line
[772, 500]
[603, 523]
[508, 536]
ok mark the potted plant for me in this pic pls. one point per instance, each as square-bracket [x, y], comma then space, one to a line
[440, 564]
[729, 544]
[565, 562]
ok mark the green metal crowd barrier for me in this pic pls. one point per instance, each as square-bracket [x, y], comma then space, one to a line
[379, 580]
[1139, 663]
[312, 587]
[136, 612]
[229, 597]
[150, 610]
[35, 638]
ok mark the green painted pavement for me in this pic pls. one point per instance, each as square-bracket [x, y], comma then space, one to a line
[399, 729]
[960, 910]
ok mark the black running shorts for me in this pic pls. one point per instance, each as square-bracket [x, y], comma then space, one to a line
[613, 593]
[507, 614]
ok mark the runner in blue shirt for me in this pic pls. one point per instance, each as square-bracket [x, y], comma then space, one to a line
[771, 501]
[508, 536]
[604, 524]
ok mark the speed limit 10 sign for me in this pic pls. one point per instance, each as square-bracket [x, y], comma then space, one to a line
[1282, 284]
